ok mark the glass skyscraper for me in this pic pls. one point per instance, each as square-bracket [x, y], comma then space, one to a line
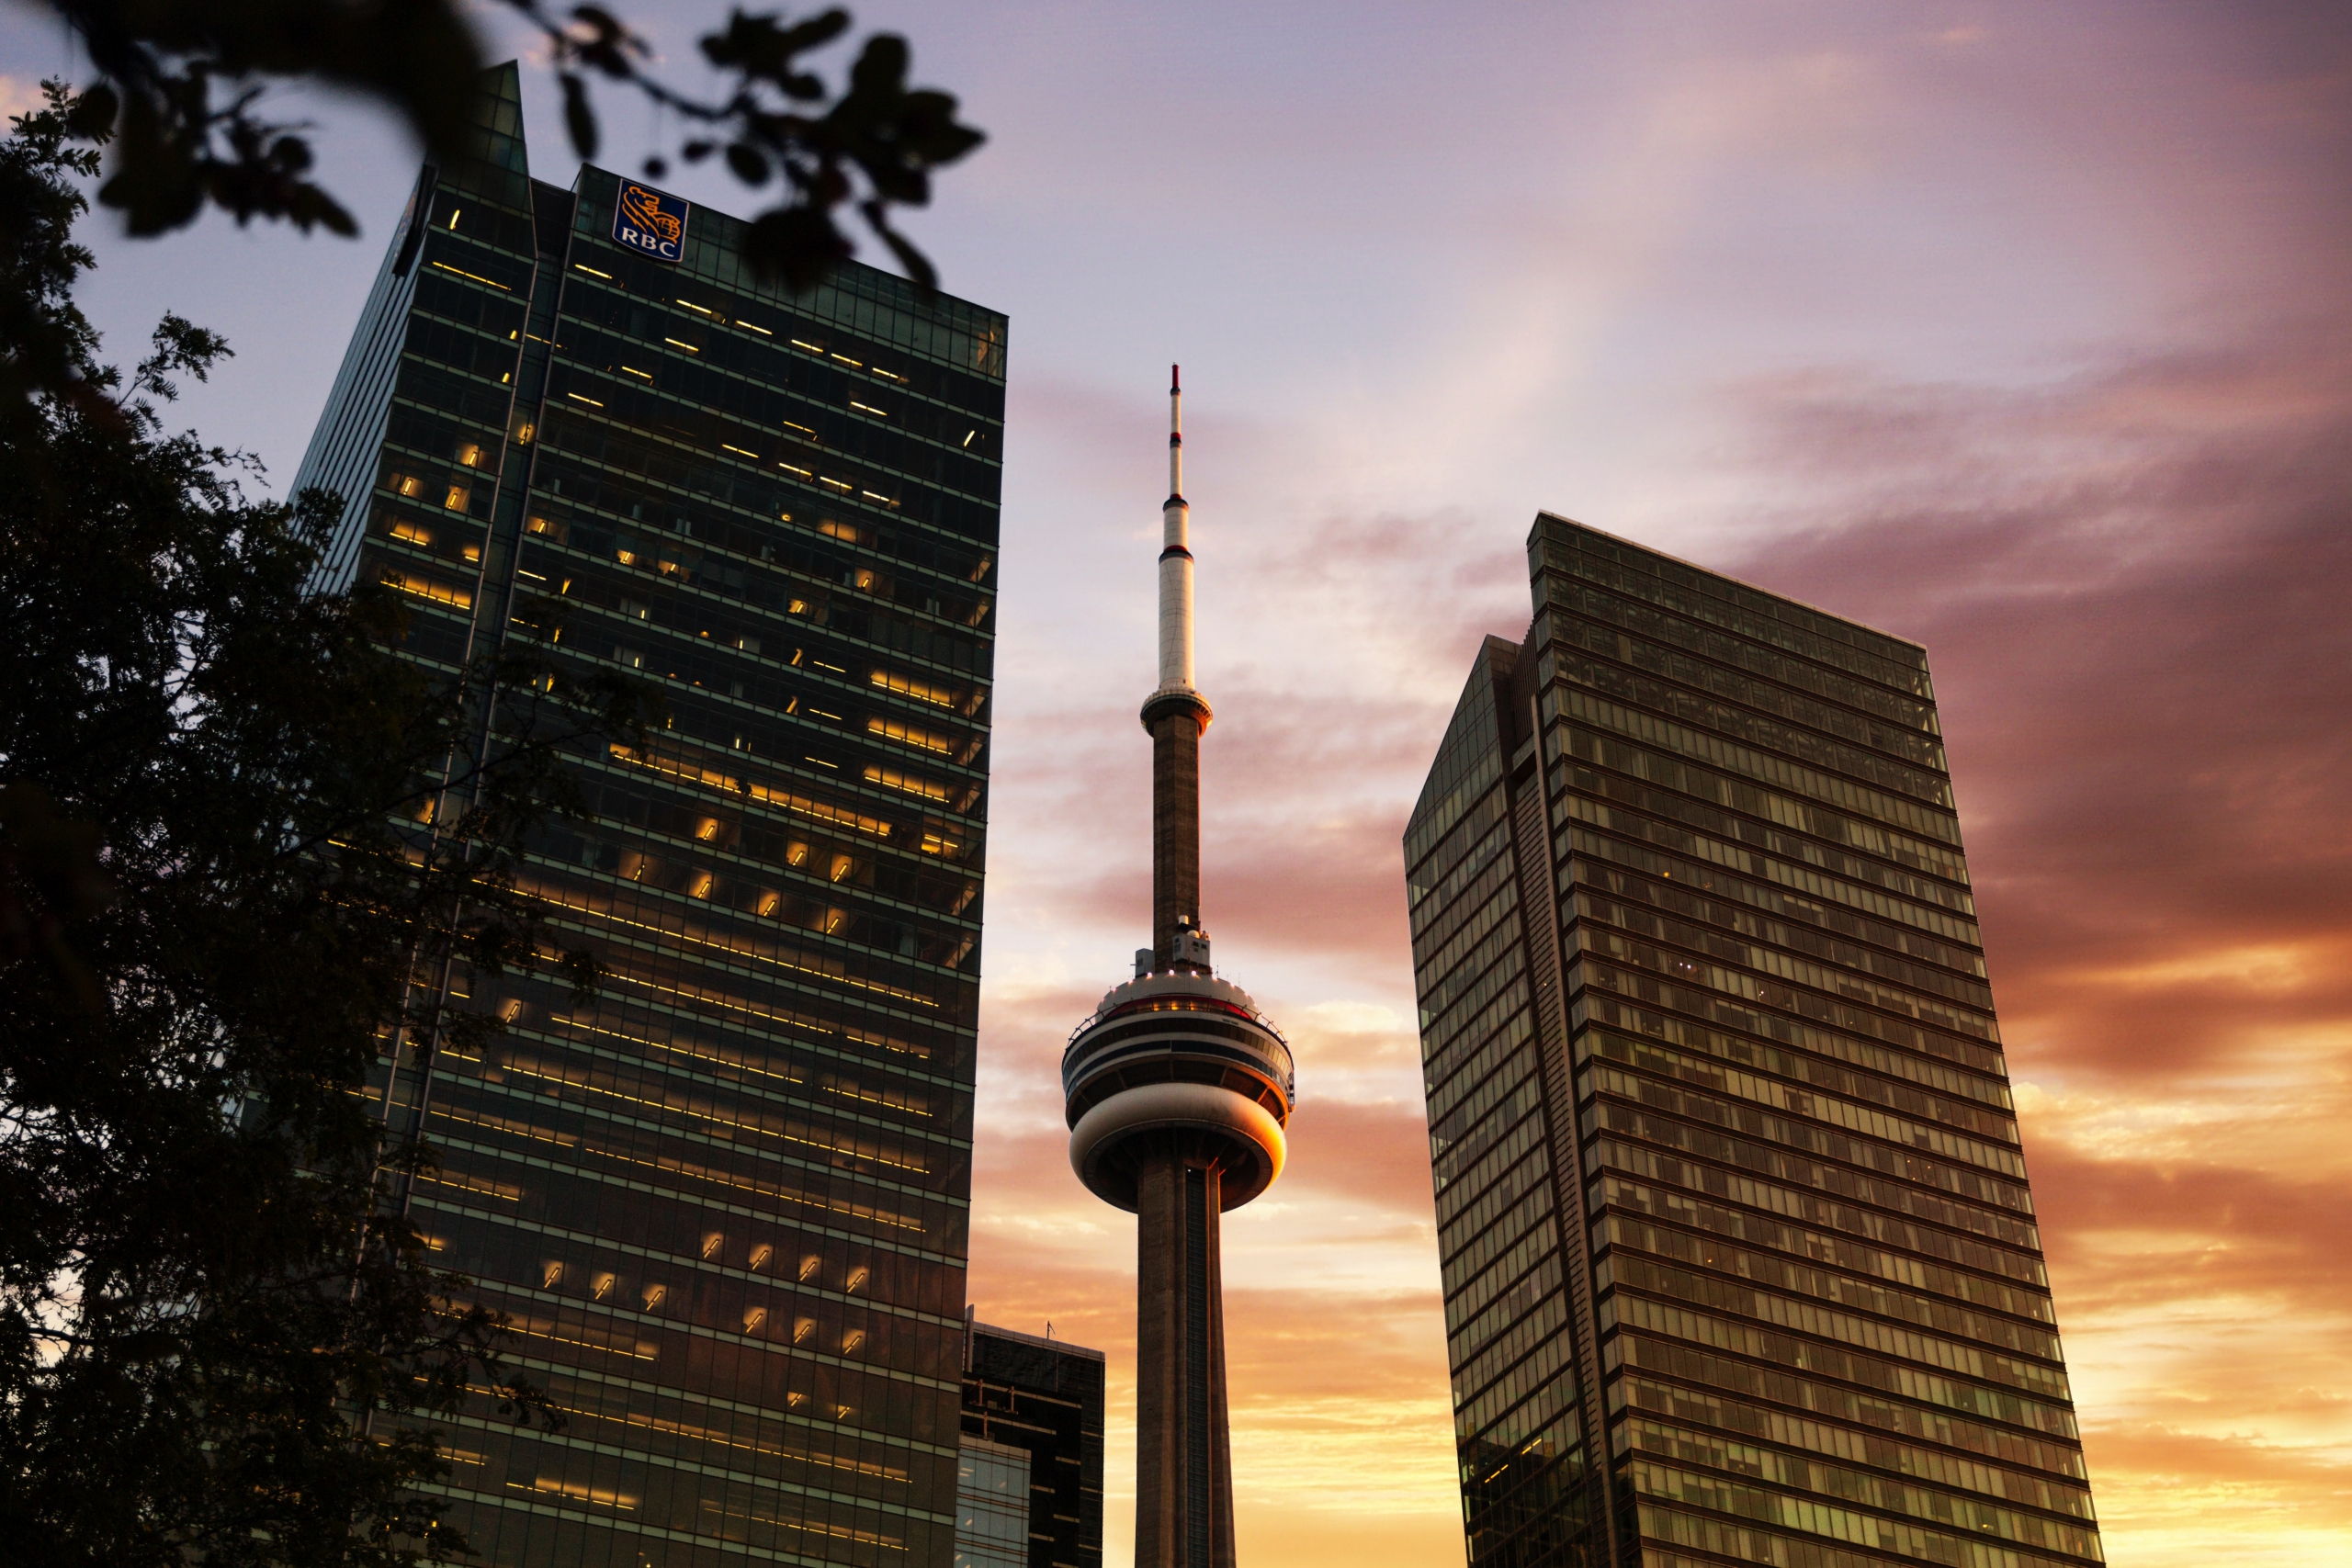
[725, 1204]
[1035, 1406]
[1739, 1255]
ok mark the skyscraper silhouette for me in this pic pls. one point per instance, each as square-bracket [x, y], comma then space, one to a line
[1739, 1257]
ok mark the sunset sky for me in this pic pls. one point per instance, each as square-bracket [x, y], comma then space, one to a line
[2023, 330]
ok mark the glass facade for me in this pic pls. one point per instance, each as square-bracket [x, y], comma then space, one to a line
[992, 1505]
[725, 1204]
[1044, 1398]
[1739, 1255]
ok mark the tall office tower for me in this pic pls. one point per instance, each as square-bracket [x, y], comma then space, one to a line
[726, 1203]
[1179, 1090]
[1739, 1259]
[1032, 1493]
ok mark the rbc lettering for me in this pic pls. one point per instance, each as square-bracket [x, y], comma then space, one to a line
[650, 224]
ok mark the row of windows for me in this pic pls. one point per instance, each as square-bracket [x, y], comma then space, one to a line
[572, 1041]
[1660, 880]
[1465, 1210]
[842, 312]
[1869, 1446]
[631, 810]
[584, 428]
[1781, 859]
[759, 1114]
[741, 1063]
[737, 999]
[1566, 553]
[700, 447]
[1516, 1081]
[1549, 1322]
[786, 804]
[1730, 997]
[1793, 1513]
[1476, 1415]
[631, 1293]
[1468, 1300]
[1856, 1203]
[553, 1118]
[1835, 1174]
[1813, 1055]
[1897, 1413]
[694, 1170]
[784, 1447]
[1450, 1035]
[1706, 892]
[1467, 765]
[1805, 786]
[1477, 978]
[1474, 814]
[1732, 1085]
[1867, 1360]
[1630, 1104]
[771, 1218]
[1683, 1289]
[1669, 643]
[1833, 995]
[576, 484]
[632, 1345]
[1467, 1253]
[672, 991]
[1465, 889]
[1784, 741]
[1788, 1472]
[787, 383]
[718, 645]
[648, 918]
[1900, 1302]
[1456, 1072]
[643, 1501]
[1731, 792]
[783, 572]
[1501, 902]
[711, 890]
[1767, 1230]
[856, 454]
[1788, 938]
[745, 526]
[1476, 1164]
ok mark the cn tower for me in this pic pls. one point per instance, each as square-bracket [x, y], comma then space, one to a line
[1179, 1090]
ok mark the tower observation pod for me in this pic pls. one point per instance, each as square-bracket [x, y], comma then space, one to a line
[1179, 1092]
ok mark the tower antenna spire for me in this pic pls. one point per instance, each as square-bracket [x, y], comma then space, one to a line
[1176, 714]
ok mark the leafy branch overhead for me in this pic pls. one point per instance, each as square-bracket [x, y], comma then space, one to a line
[182, 101]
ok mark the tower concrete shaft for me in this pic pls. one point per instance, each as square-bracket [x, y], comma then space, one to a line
[1183, 1457]
[1178, 1094]
[1175, 836]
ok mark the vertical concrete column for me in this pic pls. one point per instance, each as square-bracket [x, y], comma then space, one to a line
[1175, 827]
[1159, 1352]
[1183, 1453]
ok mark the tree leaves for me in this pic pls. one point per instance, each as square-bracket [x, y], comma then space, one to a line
[873, 147]
[213, 901]
[181, 103]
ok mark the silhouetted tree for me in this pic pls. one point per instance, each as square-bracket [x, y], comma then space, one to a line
[233, 825]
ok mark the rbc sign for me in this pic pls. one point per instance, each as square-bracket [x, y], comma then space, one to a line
[649, 222]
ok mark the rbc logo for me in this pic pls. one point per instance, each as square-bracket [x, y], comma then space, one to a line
[651, 222]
